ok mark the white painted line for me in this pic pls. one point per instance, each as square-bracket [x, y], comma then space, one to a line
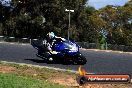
[38, 66]
[80, 48]
[96, 50]
[1, 36]
[120, 52]
[108, 51]
[84, 49]
[12, 43]
[11, 37]
[24, 38]
[16, 43]
[35, 39]
[24, 44]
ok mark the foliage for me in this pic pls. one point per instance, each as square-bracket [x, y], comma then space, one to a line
[34, 18]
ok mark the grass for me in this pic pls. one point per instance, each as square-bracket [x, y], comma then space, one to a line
[20, 69]
[14, 81]
[23, 76]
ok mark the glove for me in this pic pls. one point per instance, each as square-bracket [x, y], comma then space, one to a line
[63, 39]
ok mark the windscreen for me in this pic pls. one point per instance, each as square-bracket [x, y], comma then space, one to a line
[68, 44]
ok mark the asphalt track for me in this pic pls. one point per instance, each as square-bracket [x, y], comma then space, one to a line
[99, 62]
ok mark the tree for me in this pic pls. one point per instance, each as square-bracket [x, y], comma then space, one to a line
[54, 13]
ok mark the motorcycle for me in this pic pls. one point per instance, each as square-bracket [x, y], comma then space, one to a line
[65, 51]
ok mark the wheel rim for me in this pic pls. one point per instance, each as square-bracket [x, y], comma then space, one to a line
[80, 60]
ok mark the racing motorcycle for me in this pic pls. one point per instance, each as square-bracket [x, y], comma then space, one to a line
[65, 51]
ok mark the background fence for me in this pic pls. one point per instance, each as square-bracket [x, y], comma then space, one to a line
[109, 46]
[82, 44]
[13, 39]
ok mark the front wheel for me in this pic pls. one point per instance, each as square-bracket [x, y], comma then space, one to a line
[80, 59]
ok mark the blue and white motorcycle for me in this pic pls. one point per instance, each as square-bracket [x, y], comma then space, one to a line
[65, 51]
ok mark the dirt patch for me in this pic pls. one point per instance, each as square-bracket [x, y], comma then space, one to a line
[58, 77]
[7, 69]
[67, 81]
[31, 72]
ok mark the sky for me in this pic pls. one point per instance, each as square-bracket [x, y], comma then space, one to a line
[95, 3]
[5, 1]
[102, 3]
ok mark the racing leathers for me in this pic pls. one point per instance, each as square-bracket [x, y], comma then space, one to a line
[46, 49]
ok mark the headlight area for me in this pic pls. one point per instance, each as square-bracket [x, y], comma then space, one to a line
[74, 49]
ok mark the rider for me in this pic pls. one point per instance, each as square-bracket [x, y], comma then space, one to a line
[51, 38]
[47, 45]
[46, 48]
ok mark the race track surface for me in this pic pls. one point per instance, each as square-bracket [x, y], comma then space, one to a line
[99, 62]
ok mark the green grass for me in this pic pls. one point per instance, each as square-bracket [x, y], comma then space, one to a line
[24, 76]
[44, 73]
[15, 81]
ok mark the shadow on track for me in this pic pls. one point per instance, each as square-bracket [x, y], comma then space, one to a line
[36, 60]
[49, 62]
[45, 61]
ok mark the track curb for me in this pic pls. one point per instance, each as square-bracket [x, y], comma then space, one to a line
[15, 43]
[121, 52]
[98, 50]
[38, 66]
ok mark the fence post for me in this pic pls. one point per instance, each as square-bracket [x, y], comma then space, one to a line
[2, 38]
[106, 46]
[30, 41]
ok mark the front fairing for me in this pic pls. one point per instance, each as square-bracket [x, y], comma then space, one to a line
[70, 47]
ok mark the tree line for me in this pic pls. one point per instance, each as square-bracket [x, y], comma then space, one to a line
[35, 18]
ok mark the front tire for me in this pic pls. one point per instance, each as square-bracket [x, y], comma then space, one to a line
[80, 60]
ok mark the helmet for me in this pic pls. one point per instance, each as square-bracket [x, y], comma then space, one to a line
[51, 35]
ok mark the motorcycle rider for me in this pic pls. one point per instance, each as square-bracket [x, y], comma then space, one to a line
[46, 49]
[50, 40]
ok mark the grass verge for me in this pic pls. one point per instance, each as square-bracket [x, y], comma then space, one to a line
[14, 81]
[18, 75]
[23, 76]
